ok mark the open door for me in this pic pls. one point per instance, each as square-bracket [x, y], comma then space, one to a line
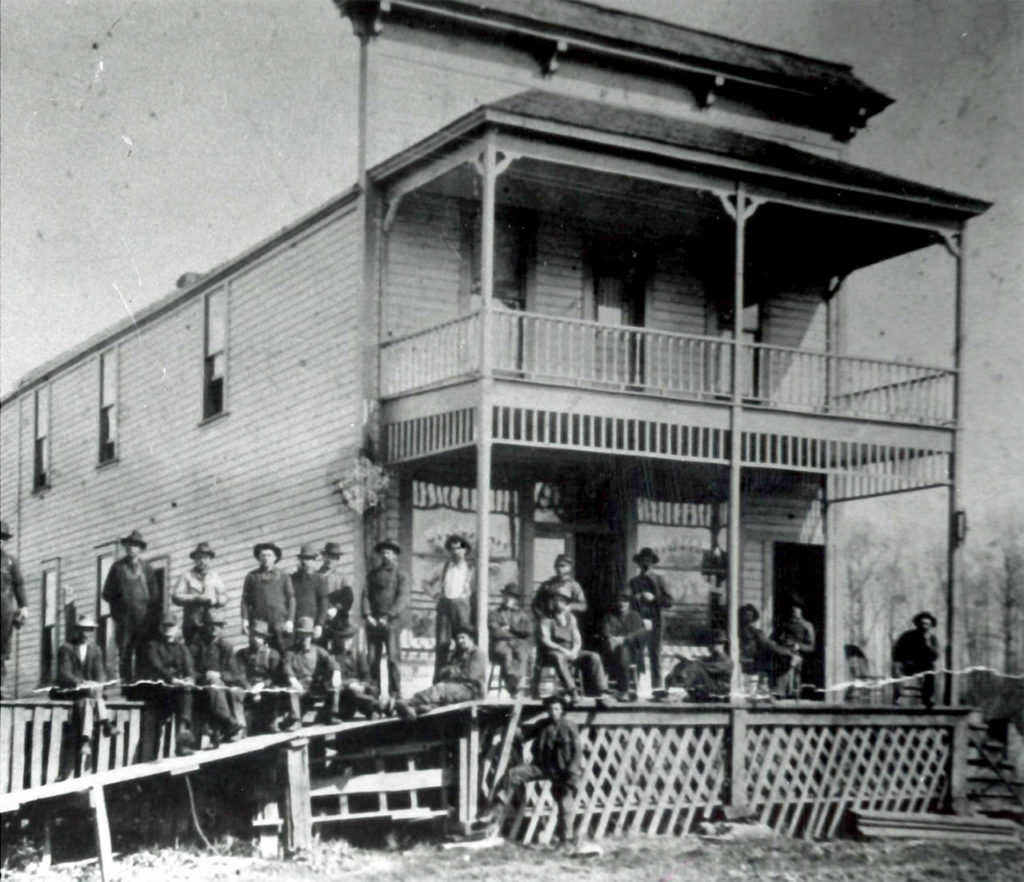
[799, 574]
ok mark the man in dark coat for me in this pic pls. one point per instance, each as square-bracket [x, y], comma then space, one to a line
[260, 665]
[136, 604]
[510, 629]
[558, 758]
[80, 679]
[797, 635]
[708, 678]
[340, 598]
[761, 656]
[464, 678]
[650, 597]
[310, 590]
[13, 608]
[384, 604]
[312, 674]
[167, 679]
[221, 684]
[267, 595]
[356, 690]
[623, 636]
[915, 654]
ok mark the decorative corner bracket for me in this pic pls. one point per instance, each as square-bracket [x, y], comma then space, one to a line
[951, 242]
[748, 206]
[550, 55]
[365, 15]
[708, 90]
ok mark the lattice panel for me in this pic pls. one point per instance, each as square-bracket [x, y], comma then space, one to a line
[636, 779]
[424, 436]
[801, 779]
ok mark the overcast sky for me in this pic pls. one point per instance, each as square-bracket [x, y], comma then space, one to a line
[144, 139]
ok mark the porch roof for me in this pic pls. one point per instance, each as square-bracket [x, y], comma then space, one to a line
[537, 111]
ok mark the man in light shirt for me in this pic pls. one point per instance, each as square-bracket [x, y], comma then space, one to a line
[198, 592]
[455, 586]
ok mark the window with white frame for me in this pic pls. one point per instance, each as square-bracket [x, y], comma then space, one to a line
[105, 631]
[50, 621]
[41, 436]
[215, 353]
[108, 406]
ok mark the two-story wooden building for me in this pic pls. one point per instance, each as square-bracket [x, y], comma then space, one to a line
[594, 264]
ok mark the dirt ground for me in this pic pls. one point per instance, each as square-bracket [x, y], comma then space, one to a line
[624, 860]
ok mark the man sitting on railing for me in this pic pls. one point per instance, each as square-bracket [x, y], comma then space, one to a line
[222, 693]
[167, 680]
[80, 679]
[266, 701]
[313, 675]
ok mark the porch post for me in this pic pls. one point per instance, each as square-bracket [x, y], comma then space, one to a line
[954, 654]
[735, 430]
[483, 428]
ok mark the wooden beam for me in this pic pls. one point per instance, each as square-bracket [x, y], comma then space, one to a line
[298, 808]
[101, 827]
[737, 767]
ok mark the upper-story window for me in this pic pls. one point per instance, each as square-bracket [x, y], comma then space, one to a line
[514, 234]
[41, 439]
[50, 621]
[108, 406]
[215, 354]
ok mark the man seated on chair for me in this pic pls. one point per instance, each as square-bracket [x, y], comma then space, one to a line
[559, 646]
[260, 664]
[558, 758]
[915, 654]
[761, 657]
[464, 678]
[80, 679]
[312, 675]
[510, 638]
[220, 680]
[167, 681]
[708, 678]
[357, 692]
[624, 637]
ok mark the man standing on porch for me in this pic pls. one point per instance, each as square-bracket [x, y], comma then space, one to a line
[455, 578]
[267, 596]
[310, 590]
[198, 592]
[136, 604]
[12, 599]
[384, 602]
[561, 581]
[650, 597]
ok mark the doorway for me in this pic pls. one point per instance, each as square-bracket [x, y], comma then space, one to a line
[799, 574]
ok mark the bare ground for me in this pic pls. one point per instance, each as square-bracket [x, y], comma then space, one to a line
[685, 859]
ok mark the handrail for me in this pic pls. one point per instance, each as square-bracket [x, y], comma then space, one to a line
[393, 341]
[871, 358]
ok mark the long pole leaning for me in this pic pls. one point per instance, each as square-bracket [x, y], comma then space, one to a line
[483, 427]
[735, 430]
[954, 656]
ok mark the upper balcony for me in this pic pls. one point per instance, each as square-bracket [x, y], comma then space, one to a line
[551, 350]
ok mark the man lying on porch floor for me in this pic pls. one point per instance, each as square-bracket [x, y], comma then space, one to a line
[462, 679]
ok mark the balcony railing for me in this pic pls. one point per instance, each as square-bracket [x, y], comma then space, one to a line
[571, 352]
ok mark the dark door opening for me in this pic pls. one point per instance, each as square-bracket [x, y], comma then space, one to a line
[597, 571]
[799, 575]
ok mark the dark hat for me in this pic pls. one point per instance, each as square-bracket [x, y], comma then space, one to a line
[86, 621]
[332, 549]
[5, 531]
[563, 558]
[513, 589]
[717, 635]
[304, 625]
[387, 543]
[921, 616]
[216, 618]
[308, 552]
[456, 539]
[134, 538]
[646, 553]
[203, 549]
[465, 629]
[752, 608]
[168, 618]
[258, 626]
[555, 697]
[260, 546]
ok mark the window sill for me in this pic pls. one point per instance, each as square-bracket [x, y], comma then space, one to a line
[42, 491]
[216, 418]
[107, 463]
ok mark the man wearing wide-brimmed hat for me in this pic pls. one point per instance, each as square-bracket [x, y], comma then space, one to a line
[261, 670]
[13, 608]
[464, 678]
[312, 674]
[267, 595]
[383, 605]
[915, 654]
[650, 597]
[221, 684]
[454, 582]
[80, 679]
[510, 628]
[340, 598]
[623, 636]
[198, 592]
[310, 589]
[136, 604]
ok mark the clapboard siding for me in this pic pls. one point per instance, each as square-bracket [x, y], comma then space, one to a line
[797, 319]
[266, 469]
[559, 272]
